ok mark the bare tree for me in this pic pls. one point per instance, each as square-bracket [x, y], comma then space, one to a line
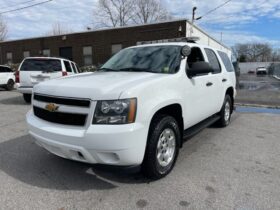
[58, 29]
[3, 29]
[113, 13]
[254, 52]
[150, 11]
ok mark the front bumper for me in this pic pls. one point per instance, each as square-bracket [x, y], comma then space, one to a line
[122, 145]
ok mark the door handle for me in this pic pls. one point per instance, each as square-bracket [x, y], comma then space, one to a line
[224, 80]
[209, 84]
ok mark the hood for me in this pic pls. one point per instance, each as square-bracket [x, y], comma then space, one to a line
[95, 86]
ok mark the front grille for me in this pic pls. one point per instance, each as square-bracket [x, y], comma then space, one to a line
[60, 118]
[62, 101]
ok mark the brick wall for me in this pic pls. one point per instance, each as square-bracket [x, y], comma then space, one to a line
[101, 41]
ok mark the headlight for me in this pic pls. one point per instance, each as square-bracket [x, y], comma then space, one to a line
[115, 112]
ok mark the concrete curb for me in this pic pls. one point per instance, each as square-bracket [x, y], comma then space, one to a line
[257, 106]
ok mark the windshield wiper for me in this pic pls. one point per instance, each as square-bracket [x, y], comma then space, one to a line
[136, 70]
[106, 69]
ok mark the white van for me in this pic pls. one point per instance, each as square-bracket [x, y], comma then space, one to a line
[34, 70]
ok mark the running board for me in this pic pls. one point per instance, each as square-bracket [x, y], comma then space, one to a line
[190, 132]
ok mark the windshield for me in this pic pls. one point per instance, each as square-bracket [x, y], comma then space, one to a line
[41, 65]
[155, 59]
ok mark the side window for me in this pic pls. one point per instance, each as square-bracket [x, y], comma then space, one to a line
[2, 69]
[226, 61]
[67, 66]
[116, 48]
[213, 60]
[9, 57]
[73, 67]
[87, 53]
[8, 70]
[77, 68]
[195, 56]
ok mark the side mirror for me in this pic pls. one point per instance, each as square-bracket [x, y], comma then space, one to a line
[200, 67]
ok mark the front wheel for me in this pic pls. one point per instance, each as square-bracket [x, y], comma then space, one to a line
[162, 147]
[27, 98]
[226, 111]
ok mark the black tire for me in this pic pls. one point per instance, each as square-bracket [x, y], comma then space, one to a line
[10, 85]
[27, 98]
[151, 166]
[225, 120]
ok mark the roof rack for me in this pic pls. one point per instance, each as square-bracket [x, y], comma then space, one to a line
[181, 39]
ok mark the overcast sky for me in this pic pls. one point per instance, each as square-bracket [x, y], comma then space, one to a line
[239, 20]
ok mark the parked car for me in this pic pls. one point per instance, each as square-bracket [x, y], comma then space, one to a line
[7, 77]
[38, 69]
[261, 71]
[251, 71]
[136, 109]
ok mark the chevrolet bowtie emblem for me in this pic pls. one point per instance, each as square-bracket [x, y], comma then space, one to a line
[51, 107]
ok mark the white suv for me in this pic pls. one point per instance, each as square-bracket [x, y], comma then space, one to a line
[34, 70]
[136, 109]
[7, 77]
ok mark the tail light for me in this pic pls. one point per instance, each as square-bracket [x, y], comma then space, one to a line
[64, 73]
[17, 76]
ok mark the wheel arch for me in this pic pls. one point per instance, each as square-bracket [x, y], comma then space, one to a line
[175, 110]
[230, 92]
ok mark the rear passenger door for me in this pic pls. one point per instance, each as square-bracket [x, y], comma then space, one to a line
[216, 88]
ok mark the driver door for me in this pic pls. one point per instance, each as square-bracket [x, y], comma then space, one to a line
[198, 92]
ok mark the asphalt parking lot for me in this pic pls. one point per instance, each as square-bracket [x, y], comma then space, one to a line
[259, 90]
[233, 168]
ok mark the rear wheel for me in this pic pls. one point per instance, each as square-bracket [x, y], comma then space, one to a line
[27, 98]
[162, 147]
[226, 111]
[10, 84]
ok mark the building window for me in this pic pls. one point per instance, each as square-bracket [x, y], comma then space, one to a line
[46, 52]
[26, 54]
[116, 48]
[87, 52]
[9, 57]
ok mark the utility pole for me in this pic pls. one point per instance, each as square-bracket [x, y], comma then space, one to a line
[193, 19]
[193, 14]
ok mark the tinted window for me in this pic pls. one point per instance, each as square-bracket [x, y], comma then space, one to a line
[195, 56]
[213, 60]
[226, 61]
[77, 68]
[67, 66]
[73, 67]
[2, 69]
[157, 59]
[41, 65]
[7, 69]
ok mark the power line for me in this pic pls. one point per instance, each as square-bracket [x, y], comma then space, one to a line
[216, 8]
[20, 3]
[22, 8]
[229, 16]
